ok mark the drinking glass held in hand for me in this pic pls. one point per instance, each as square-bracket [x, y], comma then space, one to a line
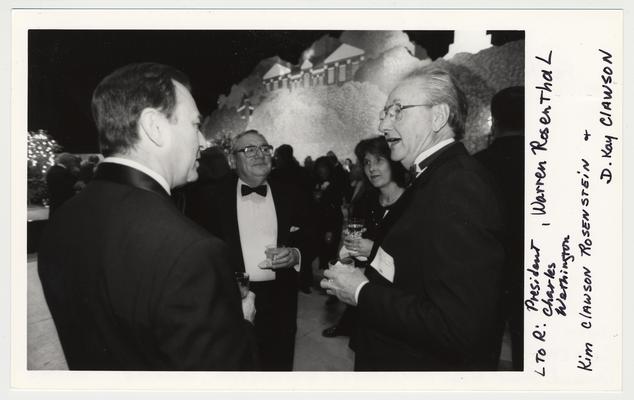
[354, 243]
[279, 257]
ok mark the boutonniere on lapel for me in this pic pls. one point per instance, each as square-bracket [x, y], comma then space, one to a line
[294, 229]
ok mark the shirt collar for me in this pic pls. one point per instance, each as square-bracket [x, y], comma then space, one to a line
[427, 153]
[138, 166]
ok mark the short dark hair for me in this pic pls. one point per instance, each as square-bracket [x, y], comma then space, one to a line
[377, 146]
[285, 151]
[441, 87]
[507, 108]
[119, 99]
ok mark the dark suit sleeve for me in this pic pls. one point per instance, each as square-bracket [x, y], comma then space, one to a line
[454, 307]
[199, 320]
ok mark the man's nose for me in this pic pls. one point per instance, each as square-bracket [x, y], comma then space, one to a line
[202, 142]
[385, 125]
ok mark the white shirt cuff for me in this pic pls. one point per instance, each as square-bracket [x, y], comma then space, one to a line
[299, 262]
[356, 292]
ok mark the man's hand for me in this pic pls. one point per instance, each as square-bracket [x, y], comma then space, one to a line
[358, 246]
[342, 281]
[282, 257]
[248, 307]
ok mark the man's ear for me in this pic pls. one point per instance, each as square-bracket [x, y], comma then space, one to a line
[151, 123]
[440, 116]
[231, 157]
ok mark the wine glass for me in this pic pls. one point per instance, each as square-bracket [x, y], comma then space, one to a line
[354, 230]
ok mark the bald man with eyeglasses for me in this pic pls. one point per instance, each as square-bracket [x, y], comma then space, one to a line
[251, 212]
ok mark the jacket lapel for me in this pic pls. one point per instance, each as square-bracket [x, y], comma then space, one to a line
[438, 159]
[229, 220]
[281, 213]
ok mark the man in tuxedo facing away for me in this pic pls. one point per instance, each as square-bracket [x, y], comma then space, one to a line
[250, 211]
[131, 283]
[430, 301]
[504, 159]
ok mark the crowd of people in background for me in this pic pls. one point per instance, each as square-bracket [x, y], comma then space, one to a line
[68, 175]
[429, 283]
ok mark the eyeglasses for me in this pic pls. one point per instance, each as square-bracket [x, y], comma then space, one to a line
[394, 110]
[251, 151]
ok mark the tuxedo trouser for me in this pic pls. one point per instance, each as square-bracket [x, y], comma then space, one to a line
[275, 323]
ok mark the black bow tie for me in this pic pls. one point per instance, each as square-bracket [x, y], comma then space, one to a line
[246, 190]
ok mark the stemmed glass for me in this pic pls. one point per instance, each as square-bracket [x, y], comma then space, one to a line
[355, 227]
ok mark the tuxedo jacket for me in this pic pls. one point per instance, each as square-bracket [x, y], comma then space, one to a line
[132, 284]
[441, 310]
[216, 210]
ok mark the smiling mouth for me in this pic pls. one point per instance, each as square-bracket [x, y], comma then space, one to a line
[392, 140]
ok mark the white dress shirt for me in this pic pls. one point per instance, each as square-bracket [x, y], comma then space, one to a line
[140, 167]
[257, 223]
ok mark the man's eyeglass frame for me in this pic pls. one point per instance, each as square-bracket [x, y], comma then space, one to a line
[252, 150]
[398, 108]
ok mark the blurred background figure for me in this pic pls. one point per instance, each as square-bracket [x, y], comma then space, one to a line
[327, 215]
[86, 172]
[339, 176]
[504, 158]
[309, 165]
[212, 168]
[61, 179]
[347, 165]
[287, 170]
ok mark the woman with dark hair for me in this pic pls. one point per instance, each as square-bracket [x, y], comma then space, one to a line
[385, 181]
[383, 200]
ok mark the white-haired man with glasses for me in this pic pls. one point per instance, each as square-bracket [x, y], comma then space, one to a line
[251, 213]
[431, 298]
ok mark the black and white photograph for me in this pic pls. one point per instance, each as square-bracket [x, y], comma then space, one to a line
[244, 199]
[260, 101]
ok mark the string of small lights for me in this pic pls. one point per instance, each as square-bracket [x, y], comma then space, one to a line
[41, 150]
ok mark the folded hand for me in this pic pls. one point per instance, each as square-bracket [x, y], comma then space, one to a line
[342, 281]
[282, 257]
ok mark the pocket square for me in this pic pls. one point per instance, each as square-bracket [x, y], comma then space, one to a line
[294, 229]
